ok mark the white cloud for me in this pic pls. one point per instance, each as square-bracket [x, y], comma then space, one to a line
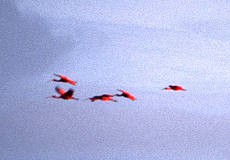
[167, 13]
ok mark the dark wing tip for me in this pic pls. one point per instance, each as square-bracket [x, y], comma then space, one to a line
[57, 87]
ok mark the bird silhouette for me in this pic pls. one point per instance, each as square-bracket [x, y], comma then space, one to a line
[174, 87]
[64, 95]
[126, 94]
[63, 79]
[104, 97]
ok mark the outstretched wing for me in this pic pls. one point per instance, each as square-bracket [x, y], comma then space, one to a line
[127, 94]
[107, 95]
[60, 90]
[61, 76]
[176, 87]
[69, 93]
[71, 81]
[123, 91]
[131, 97]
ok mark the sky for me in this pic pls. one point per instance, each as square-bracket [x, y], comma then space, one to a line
[138, 46]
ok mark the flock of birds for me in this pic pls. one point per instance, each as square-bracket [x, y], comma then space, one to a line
[67, 95]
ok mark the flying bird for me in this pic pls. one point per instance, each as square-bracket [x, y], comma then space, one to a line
[64, 79]
[63, 94]
[104, 97]
[174, 87]
[126, 94]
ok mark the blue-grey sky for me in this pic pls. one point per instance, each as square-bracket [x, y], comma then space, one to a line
[139, 46]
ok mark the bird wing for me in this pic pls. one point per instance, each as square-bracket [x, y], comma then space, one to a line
[123, 91]
[61, 76]
[60, 90]
[130, 96]
[177, 87]
[71, 81]
[107, 95]
[94, 98]
[69, 93]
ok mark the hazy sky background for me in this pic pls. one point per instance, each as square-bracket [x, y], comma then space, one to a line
[138, 46]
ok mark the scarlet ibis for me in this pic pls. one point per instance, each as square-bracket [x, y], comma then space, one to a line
[104, 97]
[64, 79]
[174, 87]
[64, 95]
[126, 95]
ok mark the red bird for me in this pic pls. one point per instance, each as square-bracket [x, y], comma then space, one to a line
[126, 95]
[174, 87]
[64, 95]
[64, 79]
[104, 97]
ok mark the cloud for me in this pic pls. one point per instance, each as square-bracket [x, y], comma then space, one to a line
[147, 13]
[212, 29]
[27, 44]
